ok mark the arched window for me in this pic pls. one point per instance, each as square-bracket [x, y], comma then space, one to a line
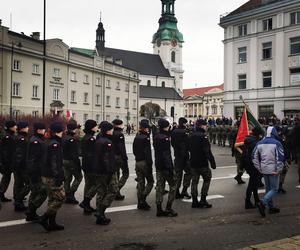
[148, 83]
[163, 84]
[173, 56]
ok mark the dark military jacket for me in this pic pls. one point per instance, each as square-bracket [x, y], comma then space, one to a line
[200, 150]
[54, 165]
[180, 143]
[19, 159]
[118, 140]
[142, 148]
[7, 150]
[87, 150]
[70, 146]
[104, 161]
[36, 156]
[162, 150]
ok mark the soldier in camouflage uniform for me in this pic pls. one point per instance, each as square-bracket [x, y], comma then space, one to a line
[70, 146]
[228, 132]
[219, 134]
[143, 166]
[164, 169]
[214, 134]
[224, 135]
[209, 131]
[121, 155]
[53, 178]
[22, 184]
[7, 152]
[105, 171]
[201, 156]
[36, 158]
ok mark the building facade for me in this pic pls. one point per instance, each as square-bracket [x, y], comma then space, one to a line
[86, 85]
[262, 58]
[203, 102]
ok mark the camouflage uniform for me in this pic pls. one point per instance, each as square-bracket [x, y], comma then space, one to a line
[228, 132]
[214, 134]
[209, 131]
[161, 178]
[224, 135]
[219, 135]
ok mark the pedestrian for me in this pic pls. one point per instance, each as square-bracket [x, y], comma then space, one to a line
[53, 178]
[106, 172]
[21, 186]
[254, 180]
[71, 161]
[201, 157]
[295, 142]
[121, 156]
[88, 157]
[268, 158]
[7, 152]
[164, 169]
[143, 166]
[180, 143]
[36, 158]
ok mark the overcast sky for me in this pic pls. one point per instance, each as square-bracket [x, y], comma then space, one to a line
[129, 25]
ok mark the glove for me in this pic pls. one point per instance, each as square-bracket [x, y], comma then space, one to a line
[213, 165]
[232, 154]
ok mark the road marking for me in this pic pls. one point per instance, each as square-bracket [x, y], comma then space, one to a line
[209, 197]
[121, 209]
[13, 223]
[298, 186]
[226, 167]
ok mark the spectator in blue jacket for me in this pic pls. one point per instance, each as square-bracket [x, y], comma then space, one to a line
[268, 158]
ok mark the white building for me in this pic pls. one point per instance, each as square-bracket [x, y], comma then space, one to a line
[262, 58]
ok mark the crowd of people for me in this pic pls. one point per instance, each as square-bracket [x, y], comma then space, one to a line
[54, 167]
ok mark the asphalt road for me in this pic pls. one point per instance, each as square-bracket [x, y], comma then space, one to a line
[225, 226]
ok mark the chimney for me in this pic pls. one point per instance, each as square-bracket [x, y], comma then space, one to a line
[35, 35]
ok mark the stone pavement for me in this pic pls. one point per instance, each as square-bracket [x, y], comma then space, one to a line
[287, 243]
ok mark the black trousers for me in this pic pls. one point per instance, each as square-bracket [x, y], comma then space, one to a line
[253, 186]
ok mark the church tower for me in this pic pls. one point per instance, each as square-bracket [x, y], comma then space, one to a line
[100, 37]
[167, 43]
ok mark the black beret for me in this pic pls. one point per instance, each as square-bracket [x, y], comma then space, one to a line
[22, 124]
[56, 127]
[182, 121]
[72, 125]
[39, 125]
[201, 122]
[89, 124]
[144, 123]
[105, 126]
[163, 123]
[117, 122]
[10, 124]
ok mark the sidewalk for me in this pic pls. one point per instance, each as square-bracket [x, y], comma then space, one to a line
[287, 243]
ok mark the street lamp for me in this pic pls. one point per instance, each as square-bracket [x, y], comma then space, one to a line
[11, 76]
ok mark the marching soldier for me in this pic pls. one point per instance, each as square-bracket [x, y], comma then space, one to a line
[36, 158]
[201, 155]
[121, 155]
[209, 131]
[164, 169]
[7, 152]
[21, 185]
[106, 172]
[219, 134]
[88, 157]
[72, 168]
[224, 134]
[179, 141]
[143, 166]
[214, 134]
[53, 178]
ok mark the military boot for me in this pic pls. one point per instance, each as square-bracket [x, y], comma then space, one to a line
[119, 197]
[239, 179]
[178, 195]
[31, 215]
[44, 221]
[3, 198]
[85, 204]
[160, 212]
[170, 212]
[101, 218]
[143, 205]
[203, 202]
[248, 204]
[20, 207]
[70, 199]
[53, 226]
[185, 193]
[196, 203]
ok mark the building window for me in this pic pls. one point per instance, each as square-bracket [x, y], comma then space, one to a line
[35, 69]
[242, 81]
[16, 89]
[108, 84]
[238, 111]
[35, 91]
[163, 84]
[267, 79]
[16, 113]
[17, 65]
[243, 30]
[85, 117]
[107, 118]
[127, 87]
[107, 100]
[86, 79]
[56, 72]
[55, 94]
[35, 113]
[134, 89]
[117, 102]
[98, 81]
[268, 24]
[295, 45]
[266, 111]
[98, 118]
[73, 76]
[73, 96]
[74, 115]
[118, 86]
[207, 110]
[214, 110]
[148, 83]
[98, 99]
[126, 103]
[134, 104]
[243, 55]
[295, 17]
[267, 50]
[86, 97]
[295, 76]
[173, 56]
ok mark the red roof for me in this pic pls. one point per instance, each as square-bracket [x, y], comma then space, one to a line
[200, 91]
